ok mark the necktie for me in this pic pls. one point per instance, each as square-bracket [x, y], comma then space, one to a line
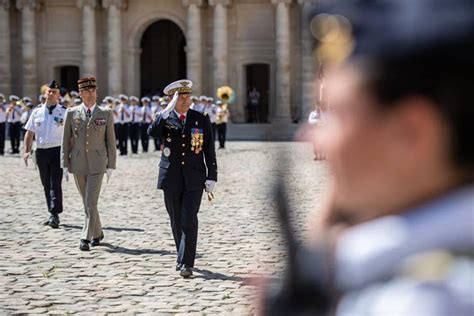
[123, 114]
[51, 109]
[133, 115]
[144, 115]
[89, 113]
[182, 118]
[13, 114]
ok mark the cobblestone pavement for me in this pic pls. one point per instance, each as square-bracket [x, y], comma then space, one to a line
[132, 272]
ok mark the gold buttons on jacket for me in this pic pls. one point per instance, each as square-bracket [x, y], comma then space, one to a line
[182, 162]
[183, 154]
[183, 145]
[184, 136]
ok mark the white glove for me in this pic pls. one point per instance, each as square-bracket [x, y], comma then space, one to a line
[210, 185]
[109, 174]
[170, 107]
[66, 174]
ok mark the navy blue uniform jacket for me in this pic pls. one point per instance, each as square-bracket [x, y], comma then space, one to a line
[181, 168]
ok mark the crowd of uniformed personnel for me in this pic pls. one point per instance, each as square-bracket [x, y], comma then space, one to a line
[132, 116]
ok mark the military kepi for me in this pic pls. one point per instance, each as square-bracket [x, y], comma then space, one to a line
[87, 83]
[182, 86]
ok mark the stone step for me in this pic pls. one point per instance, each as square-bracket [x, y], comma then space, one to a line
[267, 132]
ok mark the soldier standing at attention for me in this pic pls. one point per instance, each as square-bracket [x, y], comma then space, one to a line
[125, 117]
[135, 121]
[88, 151]
[14, 123]
[147, 118]
[187, 167]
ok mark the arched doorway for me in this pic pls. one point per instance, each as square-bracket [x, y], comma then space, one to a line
[258, 79]
[163, 58]
[67, 76]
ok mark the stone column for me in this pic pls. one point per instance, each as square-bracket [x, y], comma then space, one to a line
[114, 39]
[220, 48]
[194, 44]
[308, 62]
[5, 70]
[89, 50]
[28, 46]
[283, 69]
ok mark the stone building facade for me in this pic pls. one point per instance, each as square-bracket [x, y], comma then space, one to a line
[136, 46]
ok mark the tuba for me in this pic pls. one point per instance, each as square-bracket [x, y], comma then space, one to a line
[226, 94]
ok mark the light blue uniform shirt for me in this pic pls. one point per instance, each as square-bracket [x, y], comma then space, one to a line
[48, 128]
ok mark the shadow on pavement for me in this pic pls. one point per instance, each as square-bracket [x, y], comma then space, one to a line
[138, 251]
[209, 275]
[115, 229]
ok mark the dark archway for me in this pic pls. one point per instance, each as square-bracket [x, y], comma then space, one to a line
[258, 77]
[163, 58]
[68, 76]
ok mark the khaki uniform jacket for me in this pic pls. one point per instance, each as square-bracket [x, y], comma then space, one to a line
[88, 146]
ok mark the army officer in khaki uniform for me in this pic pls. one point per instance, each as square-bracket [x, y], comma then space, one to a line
[88, 151]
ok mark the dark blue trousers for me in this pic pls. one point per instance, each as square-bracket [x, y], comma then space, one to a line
[183, 207]
[51, 174]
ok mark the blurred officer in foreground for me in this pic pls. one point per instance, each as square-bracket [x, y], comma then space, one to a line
[46, 124]
[398, 140]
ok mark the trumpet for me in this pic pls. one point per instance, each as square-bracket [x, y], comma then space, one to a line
[226, 94]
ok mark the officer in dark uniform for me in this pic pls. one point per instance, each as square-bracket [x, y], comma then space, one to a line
[46, 124]
[187, 167]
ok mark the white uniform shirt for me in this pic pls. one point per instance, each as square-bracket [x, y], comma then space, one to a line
[15, 115]
[124, 114]
[25, 116]
[223, 115]
[3, 115]
[147, 114]
[198, 107]
[48, 128]
[212, 112]
[137, 114]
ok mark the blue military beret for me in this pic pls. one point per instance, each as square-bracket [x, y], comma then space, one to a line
[392, 29]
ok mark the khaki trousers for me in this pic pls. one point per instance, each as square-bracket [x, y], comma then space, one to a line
[89, 188]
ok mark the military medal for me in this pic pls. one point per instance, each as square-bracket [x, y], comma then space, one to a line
[167, 151]
[197, 140]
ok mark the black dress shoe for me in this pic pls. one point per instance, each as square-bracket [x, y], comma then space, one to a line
[179, 266]
[84, 246]
[53, 221]
[186, 271]
[96, 241]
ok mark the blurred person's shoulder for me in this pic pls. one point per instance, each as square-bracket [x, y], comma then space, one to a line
[419, 262]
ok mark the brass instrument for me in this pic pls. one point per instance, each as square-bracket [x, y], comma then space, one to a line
[226, 94]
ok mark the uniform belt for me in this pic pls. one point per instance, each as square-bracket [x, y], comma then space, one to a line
[47, 146]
